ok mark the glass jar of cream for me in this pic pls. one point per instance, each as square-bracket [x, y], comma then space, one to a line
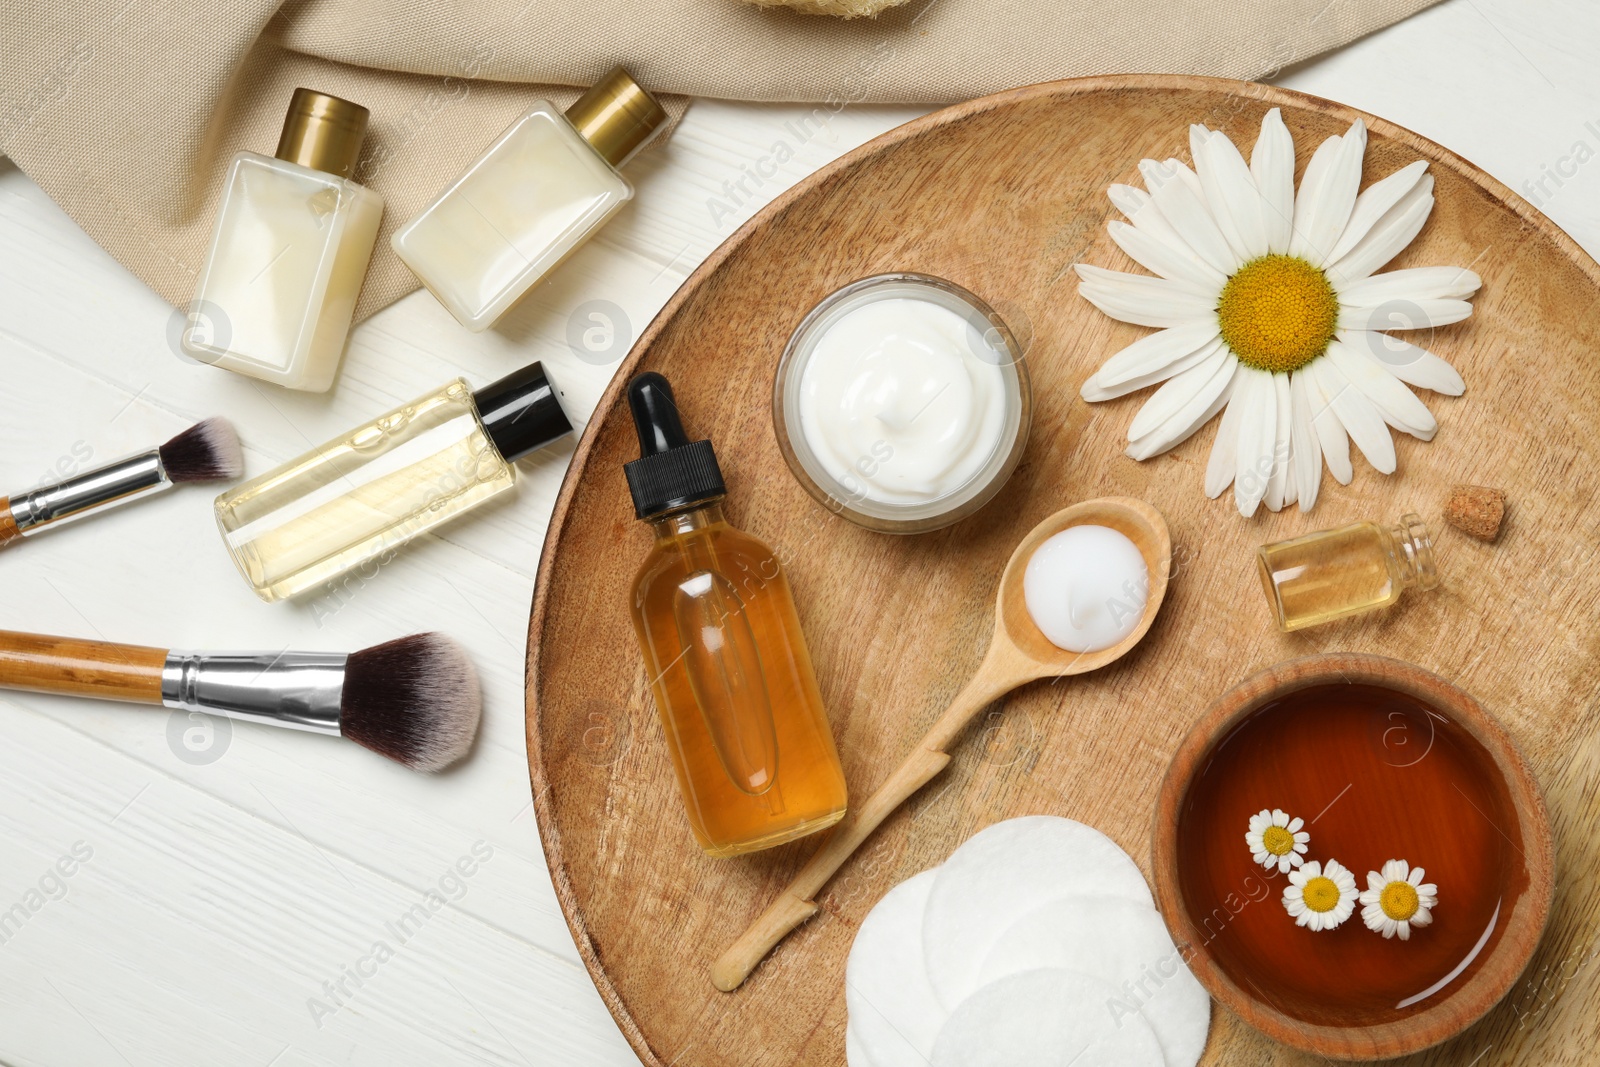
[902, 403]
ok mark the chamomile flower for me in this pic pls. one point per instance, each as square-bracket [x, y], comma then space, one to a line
[1320, 897]
[1269, 311]
[1396, 899]
[1276, 840]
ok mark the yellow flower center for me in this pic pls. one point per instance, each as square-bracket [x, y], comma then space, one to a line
[1278, 313]
[1277, 840]
[1320, 893]
[1398, 901]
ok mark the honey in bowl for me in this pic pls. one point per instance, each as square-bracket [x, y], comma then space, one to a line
[1377, 775]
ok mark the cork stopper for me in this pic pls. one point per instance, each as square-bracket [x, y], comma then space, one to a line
[1476, 510]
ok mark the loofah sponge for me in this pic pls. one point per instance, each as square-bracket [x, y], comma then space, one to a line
[845, 9]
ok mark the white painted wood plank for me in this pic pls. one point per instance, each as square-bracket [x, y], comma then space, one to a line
[182, 930]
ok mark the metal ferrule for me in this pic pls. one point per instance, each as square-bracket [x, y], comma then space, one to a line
[299, 690]
[96, 490]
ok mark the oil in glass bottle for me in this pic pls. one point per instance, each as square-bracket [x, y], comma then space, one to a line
[728, 665]
[356, 499]
[1330, 574]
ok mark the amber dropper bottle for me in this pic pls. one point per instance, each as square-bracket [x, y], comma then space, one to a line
[723, 651]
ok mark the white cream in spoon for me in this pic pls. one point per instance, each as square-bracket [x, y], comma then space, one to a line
[1085, 588]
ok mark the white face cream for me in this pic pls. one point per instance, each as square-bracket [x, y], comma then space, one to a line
[1086, 588]
[904, 404]
[897, 397]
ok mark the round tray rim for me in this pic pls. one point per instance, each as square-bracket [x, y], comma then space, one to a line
[549, 832]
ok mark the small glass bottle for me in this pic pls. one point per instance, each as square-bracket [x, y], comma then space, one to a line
[289, 252]
[533, 197]
[727, 663]
[359, 497]
[1345, 571]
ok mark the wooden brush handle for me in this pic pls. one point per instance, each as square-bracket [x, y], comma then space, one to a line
[98, 669]
[997, 676]
[8, 523]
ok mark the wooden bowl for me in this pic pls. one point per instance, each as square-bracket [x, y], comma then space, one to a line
[1383, 760]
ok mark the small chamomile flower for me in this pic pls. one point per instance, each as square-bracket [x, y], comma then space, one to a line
[1276, 840]
[1320, 897]
[1396, 899]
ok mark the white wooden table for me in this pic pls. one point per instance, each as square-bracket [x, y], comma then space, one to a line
[250, 896]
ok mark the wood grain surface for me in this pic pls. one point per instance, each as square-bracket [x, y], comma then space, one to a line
[8, 523]
[101, 669]
[1002, 195]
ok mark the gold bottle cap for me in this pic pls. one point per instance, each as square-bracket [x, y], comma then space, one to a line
[617, 116]
[323, 132]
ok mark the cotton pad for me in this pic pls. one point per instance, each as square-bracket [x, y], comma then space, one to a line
[893, 1013]
[1045, 1018]
[1124, 945]
[1004, 872]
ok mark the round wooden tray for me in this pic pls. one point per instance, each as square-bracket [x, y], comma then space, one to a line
[1003, 195]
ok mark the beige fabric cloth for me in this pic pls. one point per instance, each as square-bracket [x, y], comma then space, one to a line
[127, 111]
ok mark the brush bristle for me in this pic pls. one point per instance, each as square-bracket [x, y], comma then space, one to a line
[206, 452]
[414, 700]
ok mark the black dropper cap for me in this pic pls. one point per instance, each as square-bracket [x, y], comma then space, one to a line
[521, 412]
[671, 472]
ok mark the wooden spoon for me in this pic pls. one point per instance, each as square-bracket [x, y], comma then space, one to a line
[1018, 653]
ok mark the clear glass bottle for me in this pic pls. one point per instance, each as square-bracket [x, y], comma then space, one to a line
[728, 665]
[1330, 574]
[289, 252]
[357, 498]
[533, 197]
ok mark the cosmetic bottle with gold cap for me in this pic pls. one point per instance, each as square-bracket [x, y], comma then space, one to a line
[530, 200]
[290, 250]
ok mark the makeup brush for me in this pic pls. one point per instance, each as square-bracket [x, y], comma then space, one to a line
[206, 452]
[414, 700]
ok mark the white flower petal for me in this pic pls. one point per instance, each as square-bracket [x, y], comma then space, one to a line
[1278, 489]
[1272, 166]
[1388, 235]
[1404, 315]
[1220, 468]
[1186, 175]
[1212, 395]
[1175, 394]
[1398, 405]
[1331, 436]
[1327, 197]
[1187, 212]
[1156, 351]
[1305, 448]
[1258, 435]
[1375, 200]
[1356, 413]
[1160, 257]
[1412, 365]
[1230, 192]
[1146, 217]
[1094, 391]
[1413, 283]
[1142, 300]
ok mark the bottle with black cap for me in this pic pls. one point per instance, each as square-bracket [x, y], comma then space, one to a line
[346, 507]
[730, 673]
